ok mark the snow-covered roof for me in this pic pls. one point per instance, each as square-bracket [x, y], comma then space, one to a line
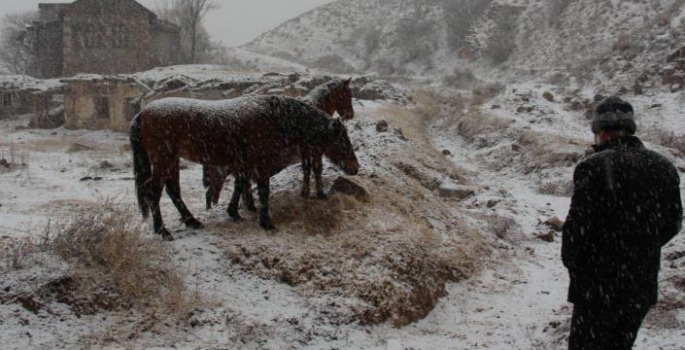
[23, 82]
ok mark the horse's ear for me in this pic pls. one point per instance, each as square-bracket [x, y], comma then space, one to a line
[348, 81]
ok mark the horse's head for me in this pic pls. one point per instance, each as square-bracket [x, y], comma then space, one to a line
[343, 97]
[339, 148]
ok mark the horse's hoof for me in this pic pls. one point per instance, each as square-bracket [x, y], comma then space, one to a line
[267, 226]
[235, 217]
[321, 196]
[304, 194]
[165, 235]
[192, 223]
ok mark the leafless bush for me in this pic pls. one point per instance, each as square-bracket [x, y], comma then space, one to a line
[460, 79]
[624, 41]
[333, 63]
[117, 267]
[477, 122]
[18, 254]
[556, 188]
[12, 157]
[483, 93]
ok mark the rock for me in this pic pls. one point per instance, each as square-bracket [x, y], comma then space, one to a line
[446, 152]
[598, 97]
[4, 163]
[554, 223]
[106, 165]
[515, 147]
[382, 126]
[345, 186]
[458, 191]
[491, 203]
[496, 107]
[521, 109]
[547, 237]
[548, 96]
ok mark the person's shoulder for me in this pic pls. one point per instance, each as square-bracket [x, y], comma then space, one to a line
[656, 156]
[597, 156]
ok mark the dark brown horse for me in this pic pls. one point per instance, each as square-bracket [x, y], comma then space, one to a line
[333, 96]
[246, 134]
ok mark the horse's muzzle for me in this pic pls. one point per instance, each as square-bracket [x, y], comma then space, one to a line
[350, 168]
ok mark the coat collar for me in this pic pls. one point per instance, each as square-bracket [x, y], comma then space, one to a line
[620, 143]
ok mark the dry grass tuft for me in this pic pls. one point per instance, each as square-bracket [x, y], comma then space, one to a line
[12, 157]
[484, 93]
[313, 216]
[117, 267]
[17, 254]
[477, 122]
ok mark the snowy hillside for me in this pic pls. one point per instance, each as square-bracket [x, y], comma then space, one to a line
[578, 37]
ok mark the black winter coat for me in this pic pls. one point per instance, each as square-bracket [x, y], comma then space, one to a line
[625, 206]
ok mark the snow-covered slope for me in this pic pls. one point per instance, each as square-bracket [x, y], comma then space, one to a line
[416, 36]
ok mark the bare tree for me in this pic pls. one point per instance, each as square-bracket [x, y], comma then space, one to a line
[15, 42]
[189, 15]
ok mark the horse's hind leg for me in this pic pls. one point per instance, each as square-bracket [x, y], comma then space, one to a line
[214, 178]
[264, 217]
[173, 189]
[306, 171]
[153, 193]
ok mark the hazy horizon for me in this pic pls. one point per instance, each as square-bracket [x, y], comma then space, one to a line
[236, 23]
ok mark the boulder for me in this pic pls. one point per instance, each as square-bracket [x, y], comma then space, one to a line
[456, 191]
[348, 187]
[555, 223]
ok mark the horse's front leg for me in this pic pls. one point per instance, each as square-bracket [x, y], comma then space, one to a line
[264, 217]
[317, 162]
[306, 170]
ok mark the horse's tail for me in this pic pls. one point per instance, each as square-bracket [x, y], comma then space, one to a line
[205, 176]
[142, 169]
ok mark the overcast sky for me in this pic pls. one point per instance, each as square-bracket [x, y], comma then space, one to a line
[235, 23]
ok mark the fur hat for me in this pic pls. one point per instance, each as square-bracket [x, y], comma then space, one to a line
[613, 113]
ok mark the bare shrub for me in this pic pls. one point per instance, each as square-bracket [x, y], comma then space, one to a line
[12, 157]
[556, 188]
[477, 123]
[333, 63]
[18, 253]
[503, 227]
[484, 93]
[460, 79]
[624, 41]
[117, 267]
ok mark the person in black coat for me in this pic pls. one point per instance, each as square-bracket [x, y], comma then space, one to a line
[625, 206]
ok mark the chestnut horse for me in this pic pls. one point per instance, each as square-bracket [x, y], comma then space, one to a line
[333, 96]
[246, 134]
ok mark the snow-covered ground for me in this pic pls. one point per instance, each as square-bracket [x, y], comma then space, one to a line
[515, 300]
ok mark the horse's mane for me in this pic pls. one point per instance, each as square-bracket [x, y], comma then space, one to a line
[296, 117]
